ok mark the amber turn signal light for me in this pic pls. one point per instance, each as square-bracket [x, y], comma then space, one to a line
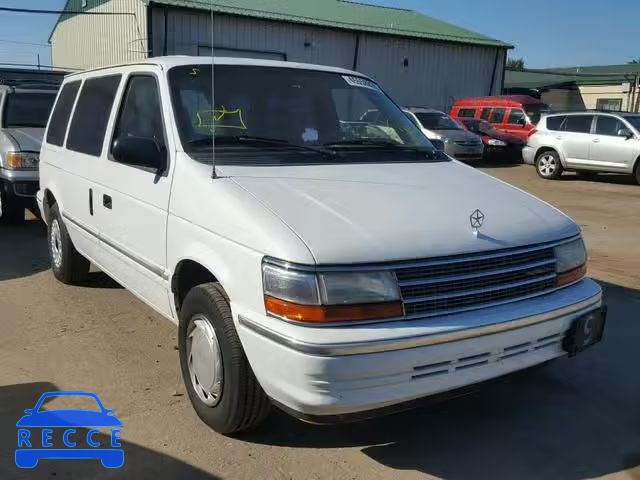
[571, 276]
[332, 313]
[14, 160]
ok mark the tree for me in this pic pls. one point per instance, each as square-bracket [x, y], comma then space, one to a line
[634, 62]
[515, 64]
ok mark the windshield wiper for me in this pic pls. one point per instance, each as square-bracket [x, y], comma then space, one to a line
[430, 153]
[365, 142]
[253, 140]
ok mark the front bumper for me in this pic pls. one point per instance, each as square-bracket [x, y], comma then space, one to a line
[464, 152]
[528, 155]
[19, 183]
[313, 372]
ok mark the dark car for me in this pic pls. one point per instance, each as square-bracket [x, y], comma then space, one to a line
[496, 144]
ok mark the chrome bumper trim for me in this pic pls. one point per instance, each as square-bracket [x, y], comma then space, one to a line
[359, 348]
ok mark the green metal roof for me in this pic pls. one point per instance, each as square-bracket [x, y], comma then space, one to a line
[331, 13]
[571, 76]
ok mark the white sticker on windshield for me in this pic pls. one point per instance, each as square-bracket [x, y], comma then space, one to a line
[360, 82]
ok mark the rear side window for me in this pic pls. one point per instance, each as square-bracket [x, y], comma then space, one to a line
[608, 126]
[467, 112]
[486, 114]
[498, 115]
[555, 123]
[61, 112]
[578, 123]
[89, 124]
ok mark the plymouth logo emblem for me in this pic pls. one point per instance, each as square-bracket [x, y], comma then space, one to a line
[476, 219]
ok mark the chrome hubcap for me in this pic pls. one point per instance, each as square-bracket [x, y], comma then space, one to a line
[56, 244]
[547, 165]
[204, 360]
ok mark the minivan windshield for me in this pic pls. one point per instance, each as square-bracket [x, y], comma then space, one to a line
[27, 109]
[536, 111]
[293, 114]
[437, 121]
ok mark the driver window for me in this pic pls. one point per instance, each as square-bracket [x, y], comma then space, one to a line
[140, 113]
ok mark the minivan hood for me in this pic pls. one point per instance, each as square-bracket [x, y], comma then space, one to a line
[26, 139]
[384, 212]
[457, 135]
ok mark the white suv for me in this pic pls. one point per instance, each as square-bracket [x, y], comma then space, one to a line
[323, 265]
[585, 142]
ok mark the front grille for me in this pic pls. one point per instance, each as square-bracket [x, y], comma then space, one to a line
[468, 143]
[448, 285]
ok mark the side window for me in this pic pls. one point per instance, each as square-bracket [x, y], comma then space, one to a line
[86, 134]
[486, 113]
[555, 123]
[608, 126]
[578, 123]
[467, 112]
[140, 113]
[498, 115]
[61, 113]
[517, 117]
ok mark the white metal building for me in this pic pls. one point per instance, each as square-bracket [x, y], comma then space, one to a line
[420, 61]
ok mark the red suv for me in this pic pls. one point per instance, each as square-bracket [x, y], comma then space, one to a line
[514, 114]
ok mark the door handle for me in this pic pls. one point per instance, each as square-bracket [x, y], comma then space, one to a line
[91, 201]
[107, 202]
[558, 138]
[596, 140]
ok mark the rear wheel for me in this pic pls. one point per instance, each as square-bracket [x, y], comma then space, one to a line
[221, 385]
[548, 165]
[68, 265]
[637, 171]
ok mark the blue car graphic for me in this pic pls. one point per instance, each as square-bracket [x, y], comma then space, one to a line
[28, 457]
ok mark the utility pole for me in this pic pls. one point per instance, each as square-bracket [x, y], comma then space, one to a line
[38, 61]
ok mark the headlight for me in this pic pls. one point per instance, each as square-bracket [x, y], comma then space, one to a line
[571, 262]
[497, 143]
[330, 296]
[22, 160]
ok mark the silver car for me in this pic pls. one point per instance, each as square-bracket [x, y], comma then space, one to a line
[24, 111]
[459, 143]
[585, 142]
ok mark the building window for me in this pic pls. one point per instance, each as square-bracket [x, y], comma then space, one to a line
[609, 104]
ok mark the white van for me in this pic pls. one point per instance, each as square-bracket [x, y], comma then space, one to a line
[335, 269]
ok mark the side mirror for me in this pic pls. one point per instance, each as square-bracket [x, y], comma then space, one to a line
[140, 152]
[626, 133]
[522, 122]
[29, 411]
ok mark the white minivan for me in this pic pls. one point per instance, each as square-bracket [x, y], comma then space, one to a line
[334, 269]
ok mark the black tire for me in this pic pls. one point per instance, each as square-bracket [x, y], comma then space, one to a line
[637, 171]
[12, 209]
[548, 165]
[242, 404]
[72, 268]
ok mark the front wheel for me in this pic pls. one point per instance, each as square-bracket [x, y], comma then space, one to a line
[68, 265]
[219, 380]
[548, 165]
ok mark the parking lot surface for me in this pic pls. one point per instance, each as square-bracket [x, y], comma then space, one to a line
[576, 418]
